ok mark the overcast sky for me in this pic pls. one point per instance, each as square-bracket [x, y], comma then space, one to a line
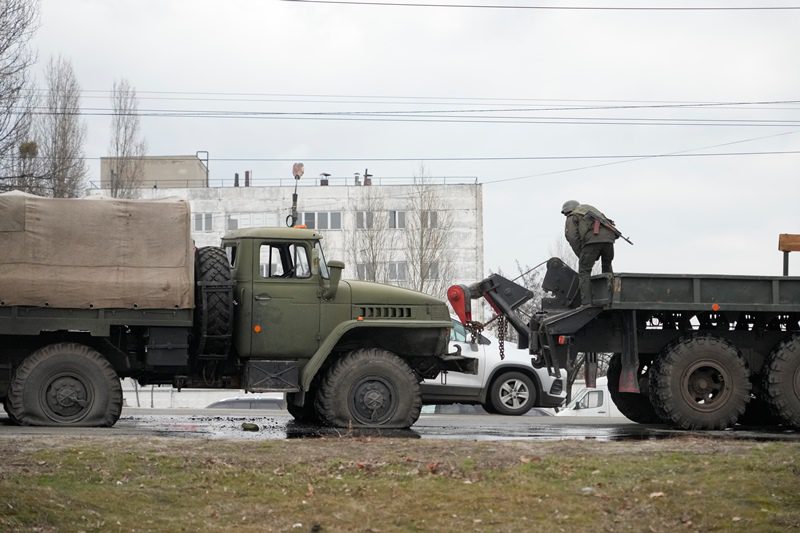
[481, 78]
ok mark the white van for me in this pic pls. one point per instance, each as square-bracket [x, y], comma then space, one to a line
[511, 386]
[592, 402]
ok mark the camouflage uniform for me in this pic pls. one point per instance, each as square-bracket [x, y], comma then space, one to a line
[589, 242]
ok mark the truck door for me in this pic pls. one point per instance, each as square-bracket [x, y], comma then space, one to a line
[286, 302]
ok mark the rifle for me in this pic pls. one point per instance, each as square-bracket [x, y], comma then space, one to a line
[598, 221]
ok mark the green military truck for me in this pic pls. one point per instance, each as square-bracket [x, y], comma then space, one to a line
[692, 351]
[94, 290]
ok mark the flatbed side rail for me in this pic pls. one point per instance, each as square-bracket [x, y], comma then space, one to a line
[664, 292]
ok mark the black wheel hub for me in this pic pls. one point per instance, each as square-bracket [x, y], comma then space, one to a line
[705, 385]
[373, 400]
[67, 398]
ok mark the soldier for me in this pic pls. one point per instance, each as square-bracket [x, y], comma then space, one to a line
[591, 236]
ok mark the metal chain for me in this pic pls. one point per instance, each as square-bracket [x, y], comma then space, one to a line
[501, 336]
[475, 329]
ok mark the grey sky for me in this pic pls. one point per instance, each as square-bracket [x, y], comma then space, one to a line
[687, 214]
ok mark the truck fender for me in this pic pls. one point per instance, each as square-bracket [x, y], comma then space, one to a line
[321, 355]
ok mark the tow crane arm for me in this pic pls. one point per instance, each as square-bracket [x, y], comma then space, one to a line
[503, 295]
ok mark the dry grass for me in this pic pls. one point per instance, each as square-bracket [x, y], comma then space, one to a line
[351, 484]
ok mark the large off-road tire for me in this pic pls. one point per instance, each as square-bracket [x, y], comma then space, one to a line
[305, 414]
[65, 384]
[700, 383]
[369, 388]
[7, 409]
[782, 381]
[512, 393]
[635, 407]
[211, 265]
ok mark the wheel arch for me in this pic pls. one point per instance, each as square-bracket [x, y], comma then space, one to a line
[354, 334]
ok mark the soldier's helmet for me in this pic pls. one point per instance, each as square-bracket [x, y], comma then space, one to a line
[569, 206]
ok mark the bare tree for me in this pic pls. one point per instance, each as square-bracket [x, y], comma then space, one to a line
[61, 133]
[370, 238]
[25, 170]
[18, 22]
[127, 148]
[429, 225]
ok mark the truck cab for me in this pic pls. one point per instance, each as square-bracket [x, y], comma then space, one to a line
[296, 321]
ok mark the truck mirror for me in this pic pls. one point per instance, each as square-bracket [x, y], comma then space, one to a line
[336, 268]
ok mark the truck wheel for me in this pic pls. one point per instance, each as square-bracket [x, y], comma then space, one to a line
[782, 381]
[369, 388]
[211, 265]
[635, 407]
[65, 384]
[700, 383]
[307, 414]
[512, 393]
[8, 412]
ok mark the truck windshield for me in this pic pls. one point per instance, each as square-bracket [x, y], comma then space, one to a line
[323, 266]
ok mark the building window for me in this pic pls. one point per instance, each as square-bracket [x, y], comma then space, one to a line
[323, 220]
[397, 219]
[249, 220]
[203, 222]
[432, 270]
[397, 270]
[365, 219]
[429, 219]
[365, 271]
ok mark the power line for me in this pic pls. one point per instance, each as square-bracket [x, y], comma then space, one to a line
[430, 118]
[552, 7]
[633, 104]
[458, 158]
[670, 154]
[341, 98]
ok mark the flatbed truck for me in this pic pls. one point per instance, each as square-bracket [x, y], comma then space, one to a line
[692, 351]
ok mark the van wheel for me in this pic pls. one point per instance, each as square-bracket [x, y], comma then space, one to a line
[512, 393]
[65, 384]
[635, 407]
[782, 381]
[369, 388]
[700, 383]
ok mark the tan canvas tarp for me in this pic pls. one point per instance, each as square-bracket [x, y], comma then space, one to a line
[95, 253]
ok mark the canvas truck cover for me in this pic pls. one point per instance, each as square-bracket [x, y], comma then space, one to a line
[95, 253]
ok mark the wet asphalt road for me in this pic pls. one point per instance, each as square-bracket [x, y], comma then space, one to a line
[275, 424]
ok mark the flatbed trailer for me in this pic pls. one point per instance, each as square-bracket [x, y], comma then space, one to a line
[694, 351]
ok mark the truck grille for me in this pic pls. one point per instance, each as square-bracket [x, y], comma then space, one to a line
[384, 312]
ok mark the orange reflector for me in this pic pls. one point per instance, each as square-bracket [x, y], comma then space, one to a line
[562, 340]
[360, 318]
[715, 307]
[257, 328]
[300, 226]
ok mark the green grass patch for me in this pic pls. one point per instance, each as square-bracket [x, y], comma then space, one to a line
[116, 484]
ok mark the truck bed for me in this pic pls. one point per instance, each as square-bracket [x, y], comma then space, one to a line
[689, 292]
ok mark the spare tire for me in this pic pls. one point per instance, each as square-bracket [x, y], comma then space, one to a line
[213, 302]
